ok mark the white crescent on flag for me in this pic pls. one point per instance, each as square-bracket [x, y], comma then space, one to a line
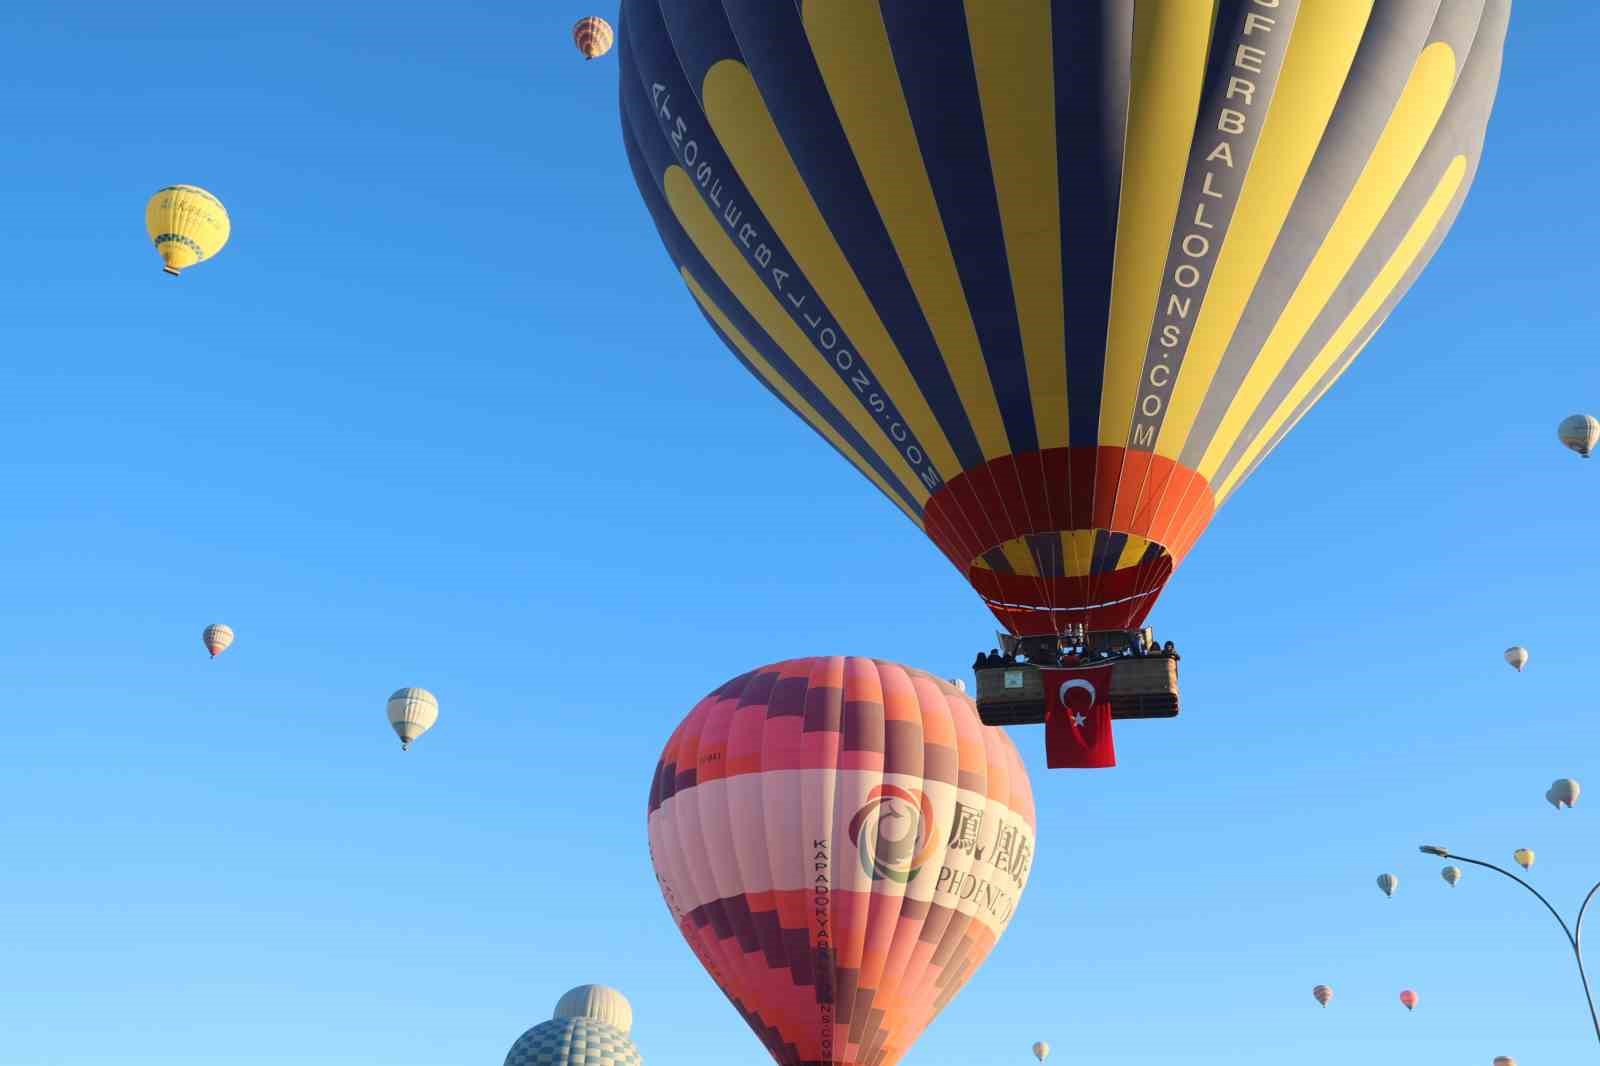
[1077, 682]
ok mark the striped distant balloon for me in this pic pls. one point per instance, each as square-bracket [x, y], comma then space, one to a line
[1451, 875]
[841, 842]
[1055, 276]
[1041, 1050]
[1580, 433]
[217, 637]
[1387, 883]
[1517, 657]
[412, 712]
[593, 36]
[1323, 993]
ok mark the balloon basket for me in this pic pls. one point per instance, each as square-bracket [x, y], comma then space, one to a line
[1141, 687]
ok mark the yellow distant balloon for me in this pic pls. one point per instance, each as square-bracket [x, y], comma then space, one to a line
[1524, 857]
[187, 225]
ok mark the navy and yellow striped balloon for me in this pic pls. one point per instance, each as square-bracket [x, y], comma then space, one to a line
[1056, 275]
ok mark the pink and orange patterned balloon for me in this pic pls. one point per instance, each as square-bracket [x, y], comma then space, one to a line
[842, 842]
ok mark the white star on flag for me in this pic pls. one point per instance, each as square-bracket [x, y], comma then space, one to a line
[1077, 718]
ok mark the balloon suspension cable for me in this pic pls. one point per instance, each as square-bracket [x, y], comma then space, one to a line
[1040, 580]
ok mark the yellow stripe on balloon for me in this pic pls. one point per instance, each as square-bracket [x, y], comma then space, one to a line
[1013, 53]
[1020, 558]
[736, 273]
[1316, 398]
[784, 389]
[1322, 47]
[1132, 552]
[851, 46]
[1382, 287]
[1169, 61]
[744, 127]
[1079, 547]
[1403, 138]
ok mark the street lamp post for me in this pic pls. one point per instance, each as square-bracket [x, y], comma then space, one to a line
[1574, 934]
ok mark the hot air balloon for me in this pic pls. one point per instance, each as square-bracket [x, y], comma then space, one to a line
[841, 841]
[593, 36]
[590, 1028]
[1409, 998]
[1323, 993]
[412, 712]
[1041, 1050]
[1387, 883]
[1580, 433]
[1564, 793]
[1524, 857]
[1504, 1060]
[187, 225]
[1451, 875]
[217, 637]
[1517, 657]
[1055, 281]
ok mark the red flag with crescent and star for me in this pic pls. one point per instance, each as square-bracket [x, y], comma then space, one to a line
[1077, 717]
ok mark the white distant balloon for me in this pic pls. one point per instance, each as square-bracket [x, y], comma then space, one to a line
[217, 637]
[959, 685]
[600, 1003]
[1580, 433]
[1517, 657]
[412, 712]
[1564, 793]
[1451, 875]
[1041, 1051]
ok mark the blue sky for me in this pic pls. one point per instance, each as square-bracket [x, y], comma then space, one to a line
[442, 415]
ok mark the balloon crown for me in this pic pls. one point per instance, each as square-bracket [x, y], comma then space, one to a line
[600, 1003]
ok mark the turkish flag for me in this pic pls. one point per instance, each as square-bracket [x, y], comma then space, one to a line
[1077, 717]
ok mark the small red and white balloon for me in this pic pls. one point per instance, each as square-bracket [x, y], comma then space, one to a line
[217, 637]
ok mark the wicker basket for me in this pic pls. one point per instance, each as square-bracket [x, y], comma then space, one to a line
[1140, 688]
[1145, 688]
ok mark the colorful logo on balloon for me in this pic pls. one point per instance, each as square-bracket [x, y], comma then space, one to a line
[893, 833]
